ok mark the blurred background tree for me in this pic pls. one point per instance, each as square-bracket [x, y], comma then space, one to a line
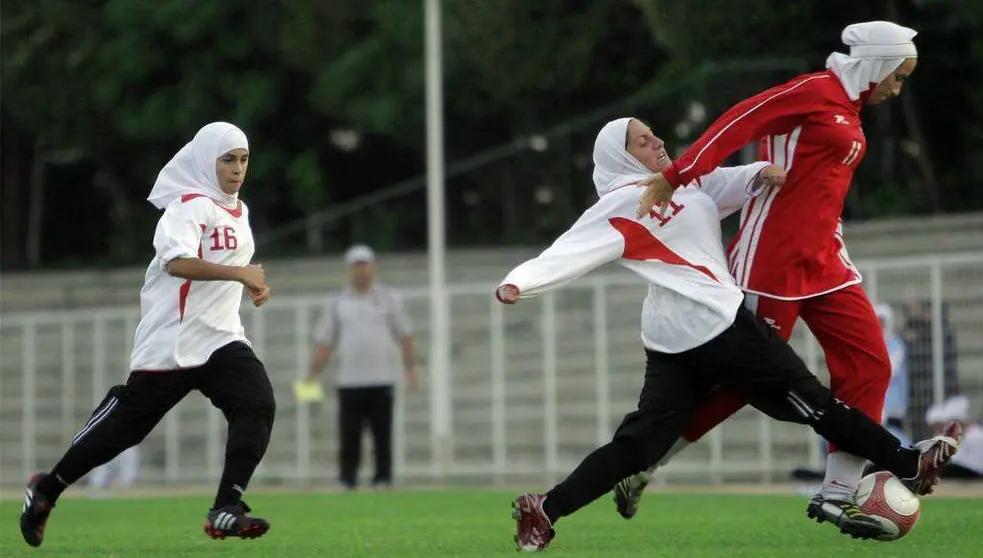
[97, 95]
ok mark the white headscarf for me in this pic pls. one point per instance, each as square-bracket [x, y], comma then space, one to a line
[877, 48]
[614, 167]
[193, 169]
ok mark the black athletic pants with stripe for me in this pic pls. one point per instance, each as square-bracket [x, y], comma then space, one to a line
[233, 379]
[751, 358]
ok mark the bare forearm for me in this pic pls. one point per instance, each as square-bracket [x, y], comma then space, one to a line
[197, 269]
[408, 355]
[321, 358]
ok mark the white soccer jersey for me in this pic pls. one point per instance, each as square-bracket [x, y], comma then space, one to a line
[183, 322]
[692, 297]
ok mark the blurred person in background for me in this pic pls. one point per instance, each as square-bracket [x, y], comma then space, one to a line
[364, 324]
[789, 255]
[896, 400]
[921, 368]
[190, 337]
[121, 472]
[967, 464]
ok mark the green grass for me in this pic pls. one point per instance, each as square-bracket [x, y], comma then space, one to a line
[462, 523]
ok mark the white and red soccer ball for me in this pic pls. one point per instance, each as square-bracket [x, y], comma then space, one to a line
[882, 496]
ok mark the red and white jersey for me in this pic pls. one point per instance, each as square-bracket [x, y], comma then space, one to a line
[691, 297]
[183, 322]
[790, 243]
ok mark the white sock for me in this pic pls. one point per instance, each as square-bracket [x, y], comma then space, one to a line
[843, 472]
[680, 445]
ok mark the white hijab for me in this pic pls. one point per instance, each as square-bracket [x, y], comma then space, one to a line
[193, 169]
[614, 167]
[877, 48]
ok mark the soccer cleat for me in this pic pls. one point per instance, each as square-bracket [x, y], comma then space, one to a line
[935, 455]
[534, 531]
[34, 514]
[847, 516]
[234, 521]
[628, 494]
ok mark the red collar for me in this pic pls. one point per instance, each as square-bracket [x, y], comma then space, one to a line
[237, 212]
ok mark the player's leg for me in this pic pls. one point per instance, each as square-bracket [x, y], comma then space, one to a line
[673, 386]
[236, 382]
[776, 381]
[381, 425]
[123, 419]
[349, 436]
[718, 407]
[850, 334]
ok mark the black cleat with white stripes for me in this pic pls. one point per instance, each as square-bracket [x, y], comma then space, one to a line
[34, 514]
[234, 521]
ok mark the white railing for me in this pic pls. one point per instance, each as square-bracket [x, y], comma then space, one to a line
[535, 386]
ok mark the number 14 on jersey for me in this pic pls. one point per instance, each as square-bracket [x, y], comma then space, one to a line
[674, 209]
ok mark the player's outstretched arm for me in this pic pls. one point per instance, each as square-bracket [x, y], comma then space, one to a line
[590, 243]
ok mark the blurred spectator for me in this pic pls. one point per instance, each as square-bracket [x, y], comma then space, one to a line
[918, 331]
[365, 322]
[968, 461]
[121, 472]
[896, 402]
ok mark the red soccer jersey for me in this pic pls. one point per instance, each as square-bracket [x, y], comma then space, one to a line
[790, 243]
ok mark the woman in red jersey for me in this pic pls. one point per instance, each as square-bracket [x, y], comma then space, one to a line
[789, 256]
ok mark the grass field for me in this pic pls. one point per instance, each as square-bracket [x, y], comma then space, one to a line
[477, 523]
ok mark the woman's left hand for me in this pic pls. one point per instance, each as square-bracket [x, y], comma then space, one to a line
[772, 175]
[260, 296]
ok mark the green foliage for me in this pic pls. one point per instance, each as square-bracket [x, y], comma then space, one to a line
[122, 84]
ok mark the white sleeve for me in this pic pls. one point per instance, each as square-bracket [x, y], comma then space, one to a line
[327, 327]
[730, 187]
[399, 319]
[179, 231]
[590, 243]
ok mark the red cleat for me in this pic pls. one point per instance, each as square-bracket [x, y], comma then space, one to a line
[935, 455]
[534, 531]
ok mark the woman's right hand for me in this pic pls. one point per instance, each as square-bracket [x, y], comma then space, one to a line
[253, 277]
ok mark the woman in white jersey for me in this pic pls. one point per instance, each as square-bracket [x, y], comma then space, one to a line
[190, 336]
[695, 330]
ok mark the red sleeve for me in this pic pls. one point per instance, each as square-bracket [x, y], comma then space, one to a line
[773, 111]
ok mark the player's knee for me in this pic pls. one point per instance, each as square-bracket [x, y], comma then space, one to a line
[266, 408]
[878, 373]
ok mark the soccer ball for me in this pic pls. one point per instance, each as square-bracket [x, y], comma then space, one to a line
[882, 496]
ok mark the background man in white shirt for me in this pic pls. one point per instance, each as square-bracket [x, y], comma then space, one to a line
[364, 324]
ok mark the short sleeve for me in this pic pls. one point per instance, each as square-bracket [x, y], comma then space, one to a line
[398, 317]
[326, 329]
[179, 231]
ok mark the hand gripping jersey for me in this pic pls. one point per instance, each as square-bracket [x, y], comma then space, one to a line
[691, 297]
[790, 243]
[181, 321]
